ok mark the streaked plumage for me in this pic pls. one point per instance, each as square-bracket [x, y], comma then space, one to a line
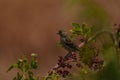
[66, 42]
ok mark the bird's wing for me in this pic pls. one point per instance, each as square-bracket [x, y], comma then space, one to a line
[71, 43]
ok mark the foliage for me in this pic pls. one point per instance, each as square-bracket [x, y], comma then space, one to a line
[84, 51]
[26, 68]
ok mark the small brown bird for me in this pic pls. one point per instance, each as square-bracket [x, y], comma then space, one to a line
[66, 42]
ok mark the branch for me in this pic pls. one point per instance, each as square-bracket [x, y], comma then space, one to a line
[83, 43]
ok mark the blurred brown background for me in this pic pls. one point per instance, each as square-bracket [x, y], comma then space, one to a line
[28, 26]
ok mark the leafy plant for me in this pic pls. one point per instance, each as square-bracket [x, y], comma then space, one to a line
[26, 68]
[84, 51]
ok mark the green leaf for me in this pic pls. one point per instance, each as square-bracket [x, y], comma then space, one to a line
[11, 67]
[19, 77]
[76, 31]
[20, 65]
[84, 28]
[34, 64]
[77, 26]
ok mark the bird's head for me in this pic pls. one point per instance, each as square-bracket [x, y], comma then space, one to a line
[62, 33]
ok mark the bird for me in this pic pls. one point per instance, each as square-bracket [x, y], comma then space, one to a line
[66, 42]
